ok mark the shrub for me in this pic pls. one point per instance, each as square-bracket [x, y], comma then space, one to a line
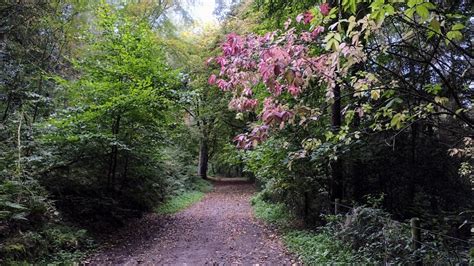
[317, 247]
[23, 204]
[50, 243]
[376, 238]
[274, 213]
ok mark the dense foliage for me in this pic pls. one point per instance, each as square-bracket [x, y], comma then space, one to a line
[356, 100]
[93, 129]
[109, 110]
[335, 86]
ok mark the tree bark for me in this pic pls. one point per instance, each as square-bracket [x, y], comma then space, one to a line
[203, 157]
[336, 166]
[7, 108]
[113, 155]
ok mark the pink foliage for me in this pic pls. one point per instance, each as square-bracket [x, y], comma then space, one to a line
[212, 79]
[325, 8]
[307, 17]
[274, 114]
[250, 140]
[242, 104]
[282, 62]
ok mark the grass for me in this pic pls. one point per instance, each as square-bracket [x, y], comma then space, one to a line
[310, 246]
[182, 201]
[201, 185]
[317, 247]
[273, 213]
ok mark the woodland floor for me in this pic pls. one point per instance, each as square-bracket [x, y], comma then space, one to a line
[219, 229]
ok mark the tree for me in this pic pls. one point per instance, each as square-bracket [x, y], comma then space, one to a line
[205, 105]
[362, 63]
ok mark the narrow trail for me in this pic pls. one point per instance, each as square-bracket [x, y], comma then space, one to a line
[219, 229]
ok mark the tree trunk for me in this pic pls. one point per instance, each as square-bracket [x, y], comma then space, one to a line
[336, 167]
[203, 158]
[336, 188]
[113, 155]
[125, 170]
[7, 108]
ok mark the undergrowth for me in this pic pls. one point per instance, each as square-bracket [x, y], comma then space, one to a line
[365, 235]
[317, 247]
[55, 244]
[312, 247]
[273, 213]
[187, 198]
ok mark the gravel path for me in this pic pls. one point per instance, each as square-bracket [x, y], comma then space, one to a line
[219, 229]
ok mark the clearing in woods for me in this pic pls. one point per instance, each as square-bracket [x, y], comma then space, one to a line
[219, 229]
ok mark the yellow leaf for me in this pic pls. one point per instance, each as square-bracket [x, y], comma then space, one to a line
[375, 94]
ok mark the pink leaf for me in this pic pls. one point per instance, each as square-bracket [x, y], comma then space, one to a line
[299, 18]
[307, 17]
[212, 79]
[325, 9]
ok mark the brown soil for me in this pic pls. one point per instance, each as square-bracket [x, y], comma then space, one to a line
[220, 229]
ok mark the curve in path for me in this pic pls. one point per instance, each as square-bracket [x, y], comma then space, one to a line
[219, 229]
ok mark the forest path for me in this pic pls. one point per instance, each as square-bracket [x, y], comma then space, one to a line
[219, 229]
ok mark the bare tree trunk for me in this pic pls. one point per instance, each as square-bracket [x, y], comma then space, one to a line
[125, 170]
[336, 188]
[336, 167]
[203, 157]
[7, 108]
[113, 155]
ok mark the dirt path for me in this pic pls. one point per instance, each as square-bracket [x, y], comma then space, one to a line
[219, 229]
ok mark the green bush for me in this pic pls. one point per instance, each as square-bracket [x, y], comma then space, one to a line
[201, 185]
[373, 235]
[274, 213]
[53, 243]
[23, 204]
[317, 247]
[375, 238]
[311, 247]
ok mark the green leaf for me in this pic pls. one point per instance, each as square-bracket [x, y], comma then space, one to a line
[397, 120]
[377, 4]
[457, 26]
[4, 214]
[375, 94]
[393, 101]
[429, 5]
[14, 205]
[454, 35]
[20, 216]
[352, 24]
[409, 12]
[412, 3]
[433, 89]
[350, 5]
[435, 26]
[441, 100]
[422, 11]
[460, 110]
[389, 10]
